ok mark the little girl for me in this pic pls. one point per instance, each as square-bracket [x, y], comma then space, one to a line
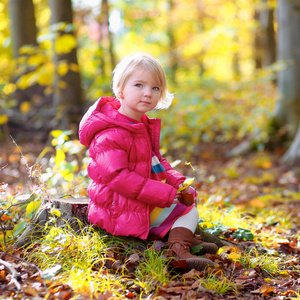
[134, 190]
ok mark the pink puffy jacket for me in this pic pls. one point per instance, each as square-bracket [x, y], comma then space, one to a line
[122, 195]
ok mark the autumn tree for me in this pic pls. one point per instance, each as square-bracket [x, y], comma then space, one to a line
[67, 86]
[287, 112]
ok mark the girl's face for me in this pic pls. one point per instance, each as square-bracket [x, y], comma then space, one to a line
[140, 94]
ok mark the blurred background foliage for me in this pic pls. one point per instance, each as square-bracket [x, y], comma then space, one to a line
[224, 86]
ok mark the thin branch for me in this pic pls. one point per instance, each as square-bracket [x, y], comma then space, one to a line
[15, 276]
[29, 264]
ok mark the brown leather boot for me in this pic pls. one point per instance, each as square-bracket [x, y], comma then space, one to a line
[211, 248]
[180, 242]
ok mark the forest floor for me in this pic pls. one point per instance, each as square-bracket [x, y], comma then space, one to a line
[258, 186]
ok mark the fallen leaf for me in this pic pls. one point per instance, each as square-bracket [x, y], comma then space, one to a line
[30, 291]
[265, 290]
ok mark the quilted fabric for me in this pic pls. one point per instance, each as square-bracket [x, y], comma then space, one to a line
[121, 192]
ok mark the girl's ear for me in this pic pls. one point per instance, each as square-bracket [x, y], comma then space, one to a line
[120, 95]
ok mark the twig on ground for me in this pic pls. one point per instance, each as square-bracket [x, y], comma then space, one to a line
[15, 276]
[29, 264]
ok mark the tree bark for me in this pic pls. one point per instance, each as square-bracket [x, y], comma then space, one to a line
[287, 111]
[23, 27]
[268, 39]
[106, 39]
[71, 209]
[67, 97]
[265, 42]
[172, 42]
[293, 152]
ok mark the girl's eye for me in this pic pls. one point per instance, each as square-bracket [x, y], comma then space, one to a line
[156, 88]
[138, 85]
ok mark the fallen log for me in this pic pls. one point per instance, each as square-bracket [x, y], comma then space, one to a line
[73, 211]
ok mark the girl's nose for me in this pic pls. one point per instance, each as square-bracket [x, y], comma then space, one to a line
[147, 92]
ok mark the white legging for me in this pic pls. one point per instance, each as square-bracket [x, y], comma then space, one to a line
[189, 220]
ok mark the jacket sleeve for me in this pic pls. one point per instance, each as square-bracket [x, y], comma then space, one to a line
[110, 166]
[173, 177]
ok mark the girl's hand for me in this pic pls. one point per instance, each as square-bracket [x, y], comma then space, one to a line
[185, 197]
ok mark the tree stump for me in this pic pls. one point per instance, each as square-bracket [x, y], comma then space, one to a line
[71, 210]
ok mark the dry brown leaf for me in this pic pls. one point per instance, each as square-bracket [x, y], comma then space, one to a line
[265, 289]
[30, 291]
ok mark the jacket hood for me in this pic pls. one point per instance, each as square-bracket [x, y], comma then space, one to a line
[104, 114]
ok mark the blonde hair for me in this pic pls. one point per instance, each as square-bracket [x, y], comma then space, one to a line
[132, 62]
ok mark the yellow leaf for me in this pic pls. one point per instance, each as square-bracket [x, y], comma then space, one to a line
[56, 133]
[44, 78]
[69, 177]
[35, 60]
[32, 207]
[206, 224]
[65, 43]
[55, 212]
[234, 256]
[9, 88]
[220, 251]
[3, 119]
[24, 81]
[25, 107]
[27, 49]
[59, 157]
[186, 183]
[284, 273]
[62, 69]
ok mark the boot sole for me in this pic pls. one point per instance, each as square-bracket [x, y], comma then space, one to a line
[199, 264]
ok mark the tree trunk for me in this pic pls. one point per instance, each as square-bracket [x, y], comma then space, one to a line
[172, 43]
[23, 27]
[105, 8]
[257, 41]
[268, 38]
[293, 152]
[71, 210]
[68, 92]
[287, 111]
[106, 38]
[265, 43]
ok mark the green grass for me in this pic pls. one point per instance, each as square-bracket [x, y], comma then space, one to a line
[218, 282]
[254, 259]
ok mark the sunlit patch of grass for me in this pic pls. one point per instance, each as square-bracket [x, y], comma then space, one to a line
[65, 247]
[79, 260]
[253, 259]
[270, 223]
[152, 271]
[76, 258]
[264, 178]
[86, 281]
[220, 284]
[229, 217]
